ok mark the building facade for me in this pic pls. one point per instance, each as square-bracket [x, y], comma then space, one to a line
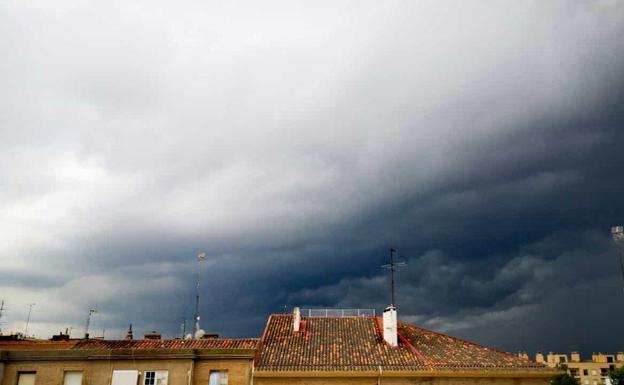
[357, 350]
[146, 362]
[594, 371]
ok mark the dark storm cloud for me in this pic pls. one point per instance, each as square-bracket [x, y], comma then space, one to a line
[295, 144]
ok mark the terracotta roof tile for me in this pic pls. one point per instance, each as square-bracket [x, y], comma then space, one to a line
[37, 345]
[208, 343]
[349, 343]
[211, 343]
[356, 344]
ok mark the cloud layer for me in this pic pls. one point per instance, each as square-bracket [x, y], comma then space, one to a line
[294, 143]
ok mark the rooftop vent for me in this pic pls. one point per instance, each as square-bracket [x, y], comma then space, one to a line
[152, 336]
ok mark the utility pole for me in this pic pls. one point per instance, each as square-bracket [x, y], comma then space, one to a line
[392, 265]
[30, 306]
[618, 237]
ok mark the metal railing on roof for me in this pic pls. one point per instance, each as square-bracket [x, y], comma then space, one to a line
[310, 312]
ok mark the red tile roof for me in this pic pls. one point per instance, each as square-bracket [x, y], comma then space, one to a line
[349, 343]
[211, 343]
[208, 343]
[37, 345]
[356, 344]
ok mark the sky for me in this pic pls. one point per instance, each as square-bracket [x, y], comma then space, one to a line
[294, 143]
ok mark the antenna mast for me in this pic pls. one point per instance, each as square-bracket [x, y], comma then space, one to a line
[30, 306]
[200, 257]
[1, 310]
[91, 311]
[392, 266]
[618, 238]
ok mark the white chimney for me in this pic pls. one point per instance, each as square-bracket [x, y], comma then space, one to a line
[296, 319]
[390, 326]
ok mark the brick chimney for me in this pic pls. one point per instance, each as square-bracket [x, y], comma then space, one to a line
[390, 326]
[296, 319]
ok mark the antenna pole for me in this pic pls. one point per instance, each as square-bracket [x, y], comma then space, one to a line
[91, 311]
[30, 306]
[618, 237]
[1, 310]
[197, 305]
[200, 257]
[392, 266]
[392, 251]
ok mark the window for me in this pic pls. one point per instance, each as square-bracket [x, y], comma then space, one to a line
[574, 372]
[155, 377]
[562, 359]
[73, 377]
[584, 372]
[218, 377]
[26, 378]
[603, 371]
[125, 377]
[610, 359]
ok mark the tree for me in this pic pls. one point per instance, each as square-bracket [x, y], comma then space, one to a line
[617, 376]
[563, 379]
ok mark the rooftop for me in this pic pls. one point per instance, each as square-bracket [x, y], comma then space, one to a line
[357, 344]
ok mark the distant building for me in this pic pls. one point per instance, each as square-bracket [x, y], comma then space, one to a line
[294, 349]
[588, 372]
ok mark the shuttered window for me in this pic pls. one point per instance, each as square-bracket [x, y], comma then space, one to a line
[125, 377]
[73, 378]
[218, 377]
[26, 378]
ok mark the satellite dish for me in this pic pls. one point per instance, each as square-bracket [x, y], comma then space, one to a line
[188, 336]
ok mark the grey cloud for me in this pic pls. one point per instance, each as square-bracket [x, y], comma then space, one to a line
[294, 143]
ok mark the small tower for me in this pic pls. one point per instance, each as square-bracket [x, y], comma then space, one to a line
[129, 335]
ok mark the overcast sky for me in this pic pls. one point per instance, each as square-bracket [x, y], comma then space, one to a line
[295, 142]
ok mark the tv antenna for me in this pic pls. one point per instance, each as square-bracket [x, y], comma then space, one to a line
[91, 311]
[618, 237]
[392, 265]
[30, 306]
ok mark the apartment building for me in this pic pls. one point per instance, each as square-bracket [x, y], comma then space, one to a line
[587, 372]
[295, 348]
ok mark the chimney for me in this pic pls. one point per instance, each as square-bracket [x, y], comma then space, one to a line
[296, 319]
[390, 326]
[575, 356]
[619, 357]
